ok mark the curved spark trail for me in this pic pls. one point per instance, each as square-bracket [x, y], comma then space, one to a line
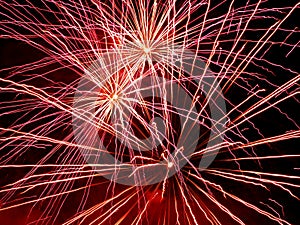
[149, 112]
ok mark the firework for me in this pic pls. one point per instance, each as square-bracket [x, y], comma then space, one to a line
[149, 112]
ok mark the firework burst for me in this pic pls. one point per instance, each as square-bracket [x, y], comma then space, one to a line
[149, 112]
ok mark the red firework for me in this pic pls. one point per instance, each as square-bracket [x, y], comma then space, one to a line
[149, 112]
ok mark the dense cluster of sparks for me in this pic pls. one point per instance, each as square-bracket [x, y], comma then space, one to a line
[49, 171]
